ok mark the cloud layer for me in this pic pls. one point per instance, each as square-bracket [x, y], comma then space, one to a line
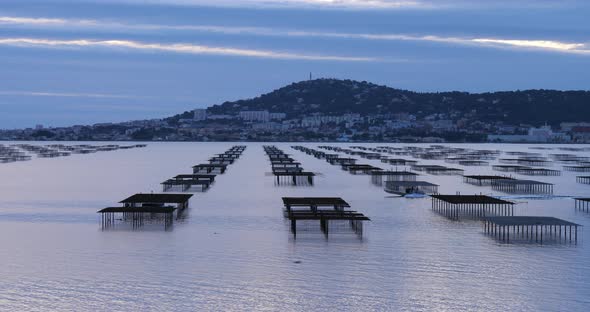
[517, 44]
[340, 4]
[358, 4]
[185, 48]
[70, 94]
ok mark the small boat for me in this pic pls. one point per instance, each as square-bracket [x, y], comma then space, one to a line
[409, 193]
[415, 195]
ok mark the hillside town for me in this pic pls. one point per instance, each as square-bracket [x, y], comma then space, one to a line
[332, 110]
[264, 125]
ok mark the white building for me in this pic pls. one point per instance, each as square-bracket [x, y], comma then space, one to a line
[316, 121]
[398, 124]
[535, 135]
[544, 132]
[200, 114]
[443, 124]
[569, 126]
[277, 116]
[263, 116]
[267, 126]
[220, 116]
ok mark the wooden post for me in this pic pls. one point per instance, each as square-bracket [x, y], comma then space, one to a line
[294, 227]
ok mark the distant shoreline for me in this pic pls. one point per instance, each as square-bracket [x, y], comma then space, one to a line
[314, 142]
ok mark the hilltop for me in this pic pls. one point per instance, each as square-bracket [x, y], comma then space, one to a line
[336, 97]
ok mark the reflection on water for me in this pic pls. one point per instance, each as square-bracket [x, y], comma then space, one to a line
[233, 249]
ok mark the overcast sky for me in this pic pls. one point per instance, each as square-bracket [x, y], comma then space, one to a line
[67, 62]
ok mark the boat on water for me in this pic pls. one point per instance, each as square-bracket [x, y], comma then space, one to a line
[415, 195]
[410, 189]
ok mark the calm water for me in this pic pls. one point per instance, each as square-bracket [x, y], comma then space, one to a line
[235, 251]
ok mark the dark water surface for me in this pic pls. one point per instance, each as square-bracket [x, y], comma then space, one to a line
[235, 252]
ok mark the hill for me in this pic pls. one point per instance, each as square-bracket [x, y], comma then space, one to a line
[332, 96]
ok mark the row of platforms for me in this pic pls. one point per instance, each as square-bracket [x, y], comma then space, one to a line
[399, 182]
[141, 208]
[287, 170]
[520, 164]
[404, 184]
[332, 213]
[497, 215]
[203, 175]
[24, 152]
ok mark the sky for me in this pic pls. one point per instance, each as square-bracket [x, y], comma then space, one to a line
[68, 62]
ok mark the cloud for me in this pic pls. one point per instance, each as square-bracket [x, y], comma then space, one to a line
[358, 4]
[516, 44]
[185, 48]
[547, 45]
[119, 107]
[70, 94]
[261, 4]
[541, 44]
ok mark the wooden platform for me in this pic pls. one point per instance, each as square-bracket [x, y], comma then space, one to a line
[406, 187]
[522, 186]
[206, 177]
[379, 176]
[315, 202]
[482, 180]
[149, 199]
[538, 172]
[508, 168]
[456, 207]
[577, 168]
[136, 216]
[209, 168]
[360, 168]
[322, 209]
[294, 178]
[582, 204]
[140, 207]
[185, 184]
[530, 228]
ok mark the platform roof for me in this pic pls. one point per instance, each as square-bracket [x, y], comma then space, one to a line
[167, 209]
[195, 176]
[429, 166]
[210, 166]
[294, 173]
[528, 220]
[314, 201]
[409, 183]
[394, 173]
[157, 198]
[536, 169]
[471, 199]
[441, 168]
[186, 182]
[487, 177]
[360, 167]
[523, 182]
[328, 215]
